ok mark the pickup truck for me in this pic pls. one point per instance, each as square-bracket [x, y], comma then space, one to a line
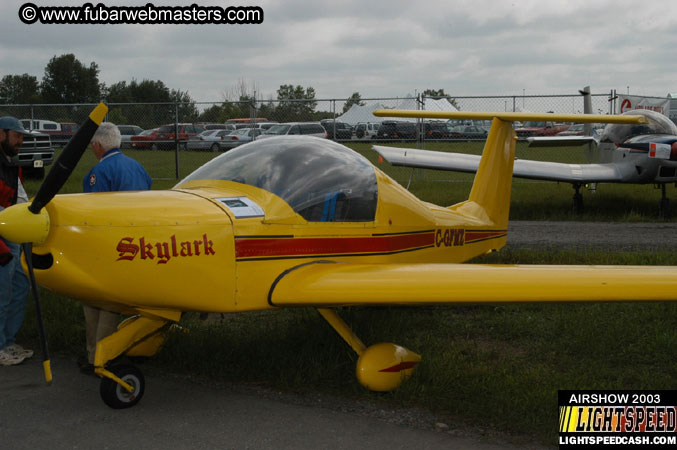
[60, 133]
[35, 153]
[529, 129]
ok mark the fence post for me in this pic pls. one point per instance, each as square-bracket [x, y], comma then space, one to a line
[176, 137]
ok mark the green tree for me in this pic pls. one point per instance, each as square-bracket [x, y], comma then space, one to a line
[434, 93]
[15, 89]
[116, 115]
[295, 103]
[146, 91]
[67, 80]
[437, 94]
[214, 113]
[161, 107]
[242, 108]
[354, 99]
[187, 111]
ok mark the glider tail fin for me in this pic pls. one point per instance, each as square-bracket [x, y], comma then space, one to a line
[489, 199]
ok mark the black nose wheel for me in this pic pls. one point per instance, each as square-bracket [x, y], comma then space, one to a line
[116, 396]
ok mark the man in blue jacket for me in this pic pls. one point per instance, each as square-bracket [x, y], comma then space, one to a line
[114, 172]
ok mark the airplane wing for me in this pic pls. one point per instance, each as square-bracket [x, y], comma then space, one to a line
[325, 283]
[523, 168]
[560, 141]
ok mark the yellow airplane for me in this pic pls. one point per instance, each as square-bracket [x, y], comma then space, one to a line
[291, 222]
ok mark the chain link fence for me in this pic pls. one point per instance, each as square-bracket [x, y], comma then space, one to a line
[172, 139]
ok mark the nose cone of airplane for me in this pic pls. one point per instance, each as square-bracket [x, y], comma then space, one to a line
[18, 224]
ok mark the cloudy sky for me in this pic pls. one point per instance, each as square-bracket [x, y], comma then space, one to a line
[380, 48]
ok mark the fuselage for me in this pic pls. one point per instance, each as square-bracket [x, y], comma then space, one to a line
[197, 248]
[637, 164]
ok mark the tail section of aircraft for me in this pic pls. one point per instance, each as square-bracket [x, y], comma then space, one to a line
[489, 201]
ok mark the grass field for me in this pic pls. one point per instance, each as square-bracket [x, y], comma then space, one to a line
[489, 366]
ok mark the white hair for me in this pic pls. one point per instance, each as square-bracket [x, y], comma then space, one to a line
[108, 135]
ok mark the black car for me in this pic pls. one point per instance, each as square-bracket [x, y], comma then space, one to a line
[435, 130]
[393, 129]
[339, 129]
[467, 132]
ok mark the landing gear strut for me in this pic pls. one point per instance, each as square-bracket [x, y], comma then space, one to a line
[122, 384]
[380, 367]
[577, 205]
[664, 205]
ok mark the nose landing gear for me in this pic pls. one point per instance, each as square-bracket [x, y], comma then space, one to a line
[115, 394]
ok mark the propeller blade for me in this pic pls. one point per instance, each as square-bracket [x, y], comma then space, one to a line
[55, 179]
[68, 159]
[46, 365]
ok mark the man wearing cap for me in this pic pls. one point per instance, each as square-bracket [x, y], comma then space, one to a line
[13, 281]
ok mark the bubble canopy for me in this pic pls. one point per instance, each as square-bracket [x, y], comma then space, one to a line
[658, 124]
[321, 180]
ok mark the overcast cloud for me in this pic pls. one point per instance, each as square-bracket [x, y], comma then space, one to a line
[379, 48]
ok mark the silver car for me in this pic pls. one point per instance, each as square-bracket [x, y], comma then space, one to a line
[296, 128]
[239, 137]
[126, 133]
[212, 140]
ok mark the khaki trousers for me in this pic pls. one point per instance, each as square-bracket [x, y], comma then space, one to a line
[99, 323]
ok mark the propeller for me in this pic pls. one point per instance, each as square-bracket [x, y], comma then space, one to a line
[65, 164]
[46, 365]
[29, 224]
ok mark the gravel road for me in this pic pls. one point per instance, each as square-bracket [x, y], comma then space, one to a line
[592, 235]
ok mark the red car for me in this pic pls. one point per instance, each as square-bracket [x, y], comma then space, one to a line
[166, 134]
[144, 140]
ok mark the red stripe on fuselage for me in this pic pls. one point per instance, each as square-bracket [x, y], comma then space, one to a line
[471, 236]
[278, 247]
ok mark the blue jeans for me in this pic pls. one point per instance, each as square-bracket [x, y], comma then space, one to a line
[14, 288]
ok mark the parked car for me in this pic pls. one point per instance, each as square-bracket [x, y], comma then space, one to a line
[167, 134]
[43, 126]
[337, 130]
[208, 140]
[261, 125]
[264, 125]
[35, 153]
[547, 128]
[239, 137]
[68, 129]
[126, 133]
[467, 132]
[248, 120]
[145, 140]
[577, 129]
[366, 130]
[219, 126]
[395, 129]
[59, 133]
[435, 130]
[296, 128]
